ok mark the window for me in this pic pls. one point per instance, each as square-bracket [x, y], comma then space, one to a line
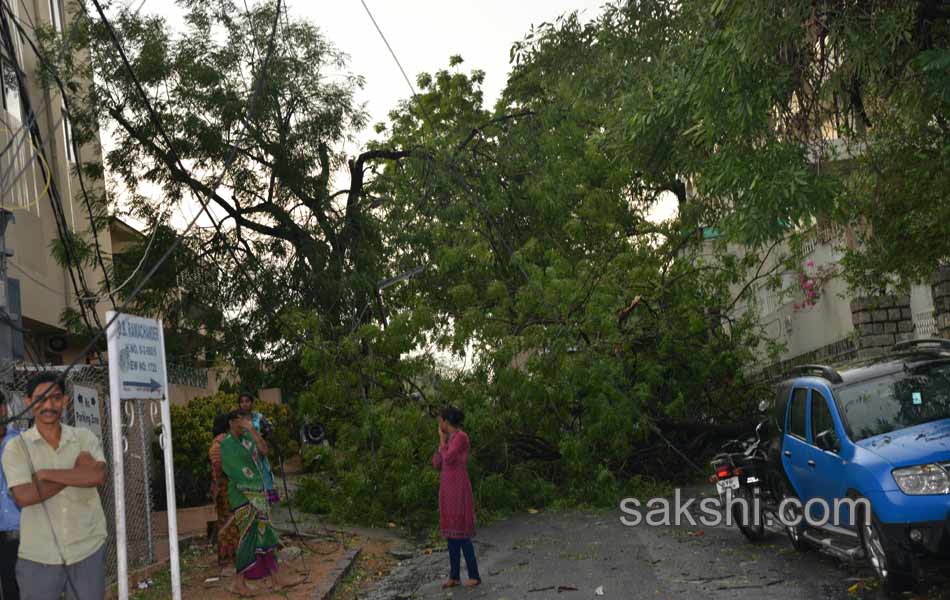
[892, 402]
[11, 94]
[68, 137]
[821, 419]
[796, 413]
[16, 166]
[56, 15]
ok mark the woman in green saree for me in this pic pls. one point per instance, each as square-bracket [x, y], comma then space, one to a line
[256, 556]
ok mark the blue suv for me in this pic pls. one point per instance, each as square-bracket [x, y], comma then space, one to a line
[877, 434]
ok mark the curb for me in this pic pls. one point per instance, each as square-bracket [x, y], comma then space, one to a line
[342, 567]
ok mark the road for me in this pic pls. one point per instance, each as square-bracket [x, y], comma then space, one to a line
[534, 556]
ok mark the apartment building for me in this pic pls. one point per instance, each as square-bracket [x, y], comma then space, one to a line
[41, 192]
[824, 326]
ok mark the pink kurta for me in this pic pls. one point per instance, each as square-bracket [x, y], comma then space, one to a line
[456, 502]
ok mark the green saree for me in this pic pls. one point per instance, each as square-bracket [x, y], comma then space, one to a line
[256, 555]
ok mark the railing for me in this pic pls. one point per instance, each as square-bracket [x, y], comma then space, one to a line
[925, 324]
[190, 376]
[830, 234]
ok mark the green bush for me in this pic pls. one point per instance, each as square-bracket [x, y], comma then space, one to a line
[191, 435]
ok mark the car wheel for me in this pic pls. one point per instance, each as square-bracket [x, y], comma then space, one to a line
[894, 567]
[792, 513]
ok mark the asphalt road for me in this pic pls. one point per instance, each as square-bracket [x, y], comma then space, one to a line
[569, 555]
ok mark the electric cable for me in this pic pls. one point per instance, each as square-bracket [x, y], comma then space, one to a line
[138, 267]
[49, 177]
[68, 39]
[300, 537]
[168, 252]
[139, 287]
[77, 276]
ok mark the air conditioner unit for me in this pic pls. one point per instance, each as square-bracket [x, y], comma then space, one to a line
[56, 344]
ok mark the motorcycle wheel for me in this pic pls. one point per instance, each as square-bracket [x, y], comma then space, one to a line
[754, 530]
[792, 512]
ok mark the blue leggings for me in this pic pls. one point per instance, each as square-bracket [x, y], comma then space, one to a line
[463, 546]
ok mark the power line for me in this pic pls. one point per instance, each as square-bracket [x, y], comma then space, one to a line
[178, 240]
[78, 276]
[64, 117]
[391, 52]
[165, 256]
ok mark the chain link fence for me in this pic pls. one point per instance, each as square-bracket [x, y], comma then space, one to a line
[88, 387]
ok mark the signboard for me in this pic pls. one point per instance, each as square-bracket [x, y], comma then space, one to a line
[137, 372]
[135, 347]
[17, 406]
[86, 409]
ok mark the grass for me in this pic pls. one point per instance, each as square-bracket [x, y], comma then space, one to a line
[161, 584]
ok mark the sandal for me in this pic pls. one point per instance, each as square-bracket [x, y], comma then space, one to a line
[450, 583]
[473, 583]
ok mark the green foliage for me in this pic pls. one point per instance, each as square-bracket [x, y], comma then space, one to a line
[192, 426]
[585, 321]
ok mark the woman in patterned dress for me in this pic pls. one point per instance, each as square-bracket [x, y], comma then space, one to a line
[256, 555]
[456, 502]
[228, 537]
[263, 427]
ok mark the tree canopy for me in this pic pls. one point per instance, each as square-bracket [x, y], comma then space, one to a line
[523, 235]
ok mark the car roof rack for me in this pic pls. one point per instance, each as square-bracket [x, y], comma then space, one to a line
[825, 371]
[941, 343]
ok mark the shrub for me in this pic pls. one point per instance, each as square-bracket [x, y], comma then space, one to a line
[191, 435]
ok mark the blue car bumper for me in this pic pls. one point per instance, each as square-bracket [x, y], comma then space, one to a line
[918, 524]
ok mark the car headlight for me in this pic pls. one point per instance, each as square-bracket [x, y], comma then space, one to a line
[922, 480]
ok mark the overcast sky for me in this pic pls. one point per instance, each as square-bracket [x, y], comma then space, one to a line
[423, 34]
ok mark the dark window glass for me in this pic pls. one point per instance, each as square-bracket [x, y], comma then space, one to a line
[796, 413]
[920, 393]
[821, 419]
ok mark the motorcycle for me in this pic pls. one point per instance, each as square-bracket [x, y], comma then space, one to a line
[746, 482]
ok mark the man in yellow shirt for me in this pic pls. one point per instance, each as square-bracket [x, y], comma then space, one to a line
[53, 471]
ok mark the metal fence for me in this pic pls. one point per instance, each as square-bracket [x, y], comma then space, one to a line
[88, 387]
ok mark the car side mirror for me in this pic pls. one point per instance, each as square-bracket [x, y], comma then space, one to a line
[827, 440]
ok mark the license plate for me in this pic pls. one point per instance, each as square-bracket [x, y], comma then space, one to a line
[727, 484]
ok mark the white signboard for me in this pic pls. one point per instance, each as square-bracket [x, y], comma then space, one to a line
[135, 346]
[137, 372]
[86, 409]
[18, 407]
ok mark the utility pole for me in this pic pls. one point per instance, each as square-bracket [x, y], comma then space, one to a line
[7, 330]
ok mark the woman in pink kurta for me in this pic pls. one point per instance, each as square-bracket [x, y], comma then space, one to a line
[456, 502]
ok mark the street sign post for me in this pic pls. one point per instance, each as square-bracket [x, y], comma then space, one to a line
[137, 372]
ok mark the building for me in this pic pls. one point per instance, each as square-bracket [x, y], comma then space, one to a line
[41, 196]
[833, 323]
[41, 191]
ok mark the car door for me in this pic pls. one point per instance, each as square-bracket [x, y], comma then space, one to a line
[795, 442]
[826, 467]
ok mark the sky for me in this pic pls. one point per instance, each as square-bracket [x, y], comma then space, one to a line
[423, 35]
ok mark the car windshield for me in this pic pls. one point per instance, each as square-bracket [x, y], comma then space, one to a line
[913, 396]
